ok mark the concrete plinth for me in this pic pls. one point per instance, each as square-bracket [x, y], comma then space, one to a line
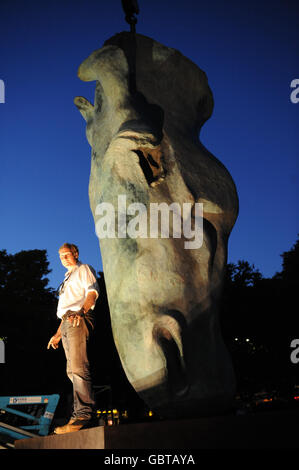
[261, 430]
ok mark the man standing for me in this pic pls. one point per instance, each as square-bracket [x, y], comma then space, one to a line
[77, 297]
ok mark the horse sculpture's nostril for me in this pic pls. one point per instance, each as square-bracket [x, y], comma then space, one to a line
[167, 334]
[176, 374]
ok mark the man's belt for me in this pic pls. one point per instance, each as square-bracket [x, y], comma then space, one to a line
[71, 313]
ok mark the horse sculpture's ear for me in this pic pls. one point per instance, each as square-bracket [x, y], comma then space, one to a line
[85, 107]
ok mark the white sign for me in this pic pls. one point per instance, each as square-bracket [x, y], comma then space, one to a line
[24, 400]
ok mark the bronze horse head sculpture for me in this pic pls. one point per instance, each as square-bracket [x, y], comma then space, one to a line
[164, 289]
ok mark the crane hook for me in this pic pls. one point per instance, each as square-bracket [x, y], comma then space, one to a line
[131, 9]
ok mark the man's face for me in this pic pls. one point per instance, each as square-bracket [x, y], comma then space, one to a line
[67, 258]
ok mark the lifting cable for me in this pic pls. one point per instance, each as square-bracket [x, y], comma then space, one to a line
[131, 9]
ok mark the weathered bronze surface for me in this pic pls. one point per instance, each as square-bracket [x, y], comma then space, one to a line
[150, 104]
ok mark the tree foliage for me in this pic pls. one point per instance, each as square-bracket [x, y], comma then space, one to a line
[27, 319]
[242, 274]
[259, 320]
[290, 265]
[23, 278]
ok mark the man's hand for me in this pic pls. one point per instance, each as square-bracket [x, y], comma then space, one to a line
[75, 319]
[54, 342]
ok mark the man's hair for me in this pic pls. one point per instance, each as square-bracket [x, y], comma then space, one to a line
[73, 248]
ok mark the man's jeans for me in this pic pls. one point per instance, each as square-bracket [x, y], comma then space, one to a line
[75, 343]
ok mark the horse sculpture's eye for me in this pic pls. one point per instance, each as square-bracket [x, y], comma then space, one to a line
[150, 162]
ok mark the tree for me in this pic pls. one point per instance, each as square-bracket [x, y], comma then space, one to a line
[261, 312]
[27, 319]
[290, 265]
[242, 274]
[23, 278]
[240, 306]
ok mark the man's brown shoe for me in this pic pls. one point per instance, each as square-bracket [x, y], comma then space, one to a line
[74, 424]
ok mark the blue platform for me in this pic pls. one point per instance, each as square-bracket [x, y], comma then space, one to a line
[39, 411]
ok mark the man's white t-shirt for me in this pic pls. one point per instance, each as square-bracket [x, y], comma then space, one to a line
[77, 284]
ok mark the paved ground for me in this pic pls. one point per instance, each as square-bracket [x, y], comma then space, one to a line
[264, 430]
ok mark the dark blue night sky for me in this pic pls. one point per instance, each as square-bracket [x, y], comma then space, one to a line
[250, 53]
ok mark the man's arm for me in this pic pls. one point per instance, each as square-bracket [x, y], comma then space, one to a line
[88, 304]
[55, 339]
[90, 301]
